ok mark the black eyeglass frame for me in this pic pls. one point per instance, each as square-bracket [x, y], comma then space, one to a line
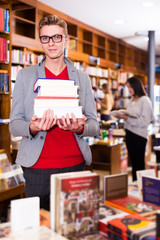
[51, 37]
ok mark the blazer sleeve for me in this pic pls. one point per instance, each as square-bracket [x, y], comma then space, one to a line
[19, 125]
[91, 127]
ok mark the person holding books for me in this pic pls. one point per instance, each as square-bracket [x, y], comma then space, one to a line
[106, 103]
[50, 145]
[138, 116]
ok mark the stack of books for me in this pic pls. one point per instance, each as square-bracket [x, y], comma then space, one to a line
[130, 227]
[59, 95]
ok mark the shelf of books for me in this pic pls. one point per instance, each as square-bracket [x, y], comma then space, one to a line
[5, 69]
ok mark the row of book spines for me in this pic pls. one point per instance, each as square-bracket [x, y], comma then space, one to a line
[14, 71]
[4, 50]
[4, 81]
[19, 56]
[4, 20]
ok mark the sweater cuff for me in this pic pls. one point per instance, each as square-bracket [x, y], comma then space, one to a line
[81, 131]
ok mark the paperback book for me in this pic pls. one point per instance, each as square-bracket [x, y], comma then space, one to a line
[151, 189]
[133, 205]
[75, 203]
[140, 173]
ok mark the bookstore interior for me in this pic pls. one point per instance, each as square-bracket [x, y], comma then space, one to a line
[101, 202]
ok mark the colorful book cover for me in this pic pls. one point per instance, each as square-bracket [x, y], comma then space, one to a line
[78, 206]
[133, 205]
[140, 173]
[107, 213]
[151, 189]
[132, 226]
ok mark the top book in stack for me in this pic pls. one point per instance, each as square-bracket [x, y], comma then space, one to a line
[60, 95]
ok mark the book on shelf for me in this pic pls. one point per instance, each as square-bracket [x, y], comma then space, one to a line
[140, 173]
[50, 82]
[151, 189]
[112, 189]
[4, 19]
[4, 50]
[10, 175]
[131, 226]
[74, 203]
[4, 81]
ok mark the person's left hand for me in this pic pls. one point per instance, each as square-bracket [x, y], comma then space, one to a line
[72, 124]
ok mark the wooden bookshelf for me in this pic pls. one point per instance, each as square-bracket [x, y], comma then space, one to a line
[5, 64]
[86, 41]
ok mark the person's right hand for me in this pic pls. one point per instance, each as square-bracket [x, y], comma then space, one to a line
[43, 124]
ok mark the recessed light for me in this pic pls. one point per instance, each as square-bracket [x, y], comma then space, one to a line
[146, 39]
[119, 21]
[148, 4]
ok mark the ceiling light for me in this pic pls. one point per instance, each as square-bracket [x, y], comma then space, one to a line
[148, 4]
[119, 21]
[146, 39]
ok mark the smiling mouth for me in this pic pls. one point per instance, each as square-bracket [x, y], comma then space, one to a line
[52, 50]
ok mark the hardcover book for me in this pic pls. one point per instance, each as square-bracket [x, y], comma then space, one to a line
[50, 82]
[115, 186]
[76, 204]
[132, 226]
[151, 189]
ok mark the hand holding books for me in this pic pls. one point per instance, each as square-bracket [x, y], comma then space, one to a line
[74, 124]
[49, 120]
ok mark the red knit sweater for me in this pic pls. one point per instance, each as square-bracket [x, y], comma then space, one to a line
[60, 148]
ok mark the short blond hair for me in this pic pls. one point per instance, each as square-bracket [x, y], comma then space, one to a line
[53, 20]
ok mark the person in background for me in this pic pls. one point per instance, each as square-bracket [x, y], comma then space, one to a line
[106, 103]
[139, 116]
[50, 145]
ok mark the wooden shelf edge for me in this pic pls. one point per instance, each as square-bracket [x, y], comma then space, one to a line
[11, 192]
[23, 19]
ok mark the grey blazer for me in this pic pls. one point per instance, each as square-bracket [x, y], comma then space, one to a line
[22, 111]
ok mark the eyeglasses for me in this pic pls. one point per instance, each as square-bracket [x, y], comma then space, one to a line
[57, 38]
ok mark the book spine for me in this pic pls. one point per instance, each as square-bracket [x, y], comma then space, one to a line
[114, 228]
[114, 236]
[119, 207]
